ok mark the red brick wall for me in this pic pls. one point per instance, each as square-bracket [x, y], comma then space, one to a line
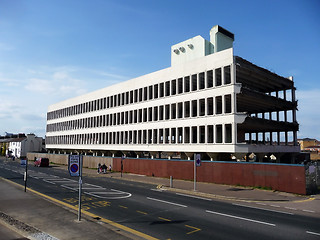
[286, 178]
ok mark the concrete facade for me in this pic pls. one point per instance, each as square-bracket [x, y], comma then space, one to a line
[209, 102]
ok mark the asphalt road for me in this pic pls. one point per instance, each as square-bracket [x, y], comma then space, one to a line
[161, 214]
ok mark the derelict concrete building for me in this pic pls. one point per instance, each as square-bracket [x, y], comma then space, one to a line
[209, 102]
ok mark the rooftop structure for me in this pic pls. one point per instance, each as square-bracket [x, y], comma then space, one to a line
[209, 102]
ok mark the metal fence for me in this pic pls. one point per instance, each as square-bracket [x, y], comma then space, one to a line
[312, 177]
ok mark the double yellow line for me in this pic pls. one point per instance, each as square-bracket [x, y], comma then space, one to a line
[117, 225]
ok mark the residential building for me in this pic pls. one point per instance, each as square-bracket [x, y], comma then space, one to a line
[307, 142]
[19, 145]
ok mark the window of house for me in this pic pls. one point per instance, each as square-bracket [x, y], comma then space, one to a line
[194, 82]
[161, 89]
[150, 93]
[210, 106]
[201, 81]
[186, 109]
[219, 105]
[180, 85]
[156, 91]
[219, 133]
[228, 133]
[173, 111]
[187, 84]
[218, 77]
[202, 107]
[227, 100]
[173, 87]
[194, 108]
[167, 88]
[210, 135]
[227, 75]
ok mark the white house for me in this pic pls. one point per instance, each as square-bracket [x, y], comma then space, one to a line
[21, 146]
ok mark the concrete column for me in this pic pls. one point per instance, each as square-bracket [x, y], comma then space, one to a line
[152, 136]
[222, 76]
[214, 77]
[233, 73]
[205, 80]
[233, 103]
[223, 134]
[198, 134]
[234, 133]
[223, 104]
[164, 136]
[205, 134]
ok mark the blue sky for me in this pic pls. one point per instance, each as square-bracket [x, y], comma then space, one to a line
[54, 50]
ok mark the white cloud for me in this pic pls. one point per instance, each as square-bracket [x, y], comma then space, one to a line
[40, 86]
[26, 93]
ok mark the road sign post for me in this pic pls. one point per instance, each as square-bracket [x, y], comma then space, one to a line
[197, 163]
[122, 158]
[75, 170]
[24, 162]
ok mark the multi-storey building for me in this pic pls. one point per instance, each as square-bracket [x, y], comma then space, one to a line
[209, 102]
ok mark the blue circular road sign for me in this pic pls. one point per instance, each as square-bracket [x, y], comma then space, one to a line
[74, 168]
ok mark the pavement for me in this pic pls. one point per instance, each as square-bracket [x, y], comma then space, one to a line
[33, 216]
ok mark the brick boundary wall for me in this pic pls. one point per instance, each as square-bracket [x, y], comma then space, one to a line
[280, 177]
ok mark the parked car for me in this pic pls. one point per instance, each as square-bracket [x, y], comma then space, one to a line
[41, 162]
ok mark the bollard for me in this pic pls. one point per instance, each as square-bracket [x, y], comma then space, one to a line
[171, 182]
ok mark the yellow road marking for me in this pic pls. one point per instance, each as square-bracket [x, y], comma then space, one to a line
[165, 219]
[117, 225]
[304, 200]
[123, 207]
[142, 212]
[220, 197]
[195, 229]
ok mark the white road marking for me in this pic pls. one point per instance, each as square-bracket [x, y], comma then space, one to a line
[158, 200]
[139, 175]
[313, 233]
[157, 190]
[310, 211]
[73, 189]
[93, 185]
[241, 218]
[49, 181]
[191, 196]
[290, 208]
[263, 209]
[108, 195]
[262, 204]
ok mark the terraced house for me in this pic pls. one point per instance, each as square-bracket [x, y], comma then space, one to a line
[209, 102]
